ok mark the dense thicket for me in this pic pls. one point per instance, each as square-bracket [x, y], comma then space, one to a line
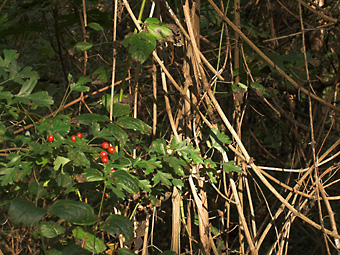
[224, 116]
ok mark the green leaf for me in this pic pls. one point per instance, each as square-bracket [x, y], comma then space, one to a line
[239, 86]
[60, 162]
[117, 225]
[118, 133]
[104, 74]
[50, 229]
[78, 85]
[158, 31]
[145, 185]
[159, 146]
[128, 122]
[169, 253]
[259, 89]
[84, 46]
[89, 118]
[118, 109]
[41, 98]
[27, 88]
[231, 166]
[163, 178]
[177, 164]
[7, 175]
[78, 157]
[92, 243]
[74, 249]
[9, 56]
[126, 181]
[93, 175]
[124, 251]
[178, 182]
[95, 26]
[149, 165]
[218, 140]
[24, 212]
[140, 45]
[73, 211]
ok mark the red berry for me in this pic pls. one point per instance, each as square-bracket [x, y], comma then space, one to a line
[111, 149]
[105, 159]
[106, 195]
[103, 154]
[50, 138]
[79, 135]
[73, 138]
[105, 145]
[112, 170]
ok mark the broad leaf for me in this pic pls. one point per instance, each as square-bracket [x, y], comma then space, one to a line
[159, 146]
[158, 31]
[93, 175]
[126, 181]
[92, 243]
[124, 251]
[128, 122]
[140, 45]
[24, 212]
[73, 211]
[117, 225]
[50, 229]
[88, 118]
[84, 46]
[95, 26]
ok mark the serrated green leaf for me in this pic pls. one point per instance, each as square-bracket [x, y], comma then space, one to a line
[178, 182]
[163, 178]
[149, 165]
[25, 212]
[218, 140]
[117, 225]
[78, 85]
[7, 175]
[41, 98]
[84, 46]
[50, 229]
[140, 45]
[9, 56]
[231, 166]
[159, 146]
[177, 164]
[92, 243]
[76, 212]
[145, 185]
[95, 26]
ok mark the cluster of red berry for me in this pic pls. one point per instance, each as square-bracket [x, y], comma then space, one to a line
[103, 154]
[50, 138]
